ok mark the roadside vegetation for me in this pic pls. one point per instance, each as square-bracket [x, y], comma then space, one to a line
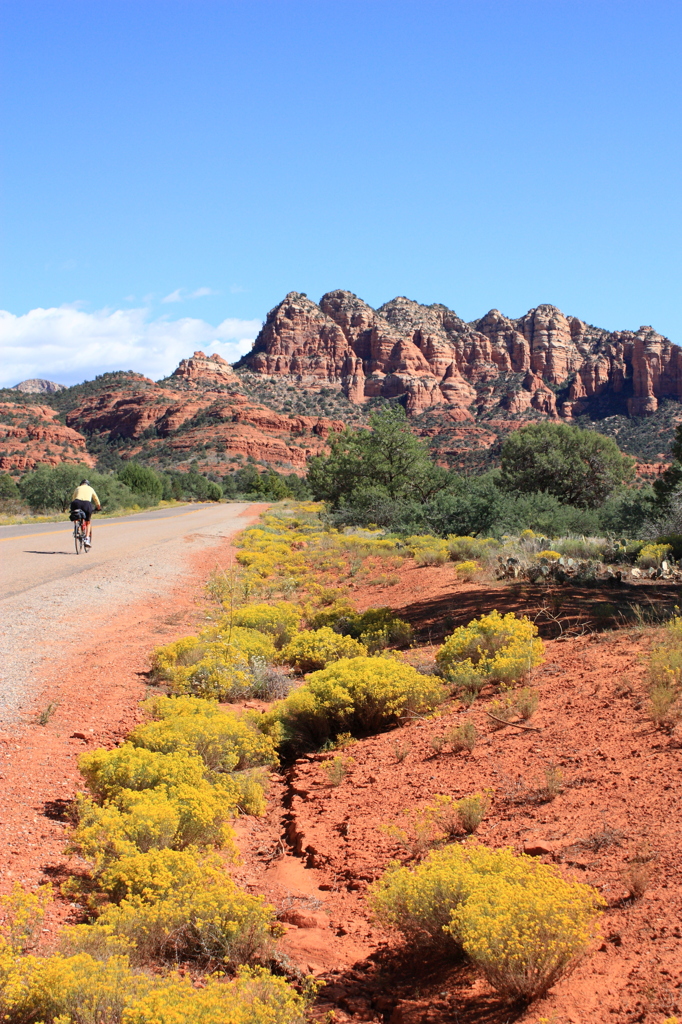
[555, 479]
[154, 824]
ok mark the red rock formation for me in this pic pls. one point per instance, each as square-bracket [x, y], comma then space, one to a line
[202, 370]
[434, 359]
[30, 434]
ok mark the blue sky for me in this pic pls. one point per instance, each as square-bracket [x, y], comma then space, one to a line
[172, 169]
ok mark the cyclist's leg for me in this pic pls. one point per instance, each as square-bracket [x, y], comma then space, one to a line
[88, 523]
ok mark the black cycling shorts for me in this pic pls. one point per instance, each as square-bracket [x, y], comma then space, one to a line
[85, 506]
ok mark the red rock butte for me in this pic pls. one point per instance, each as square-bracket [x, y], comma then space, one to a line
[545, 361]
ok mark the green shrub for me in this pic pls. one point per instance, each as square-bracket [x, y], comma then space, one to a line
[146, 484]
[357, 695]
[470, 549]
[501, 648]
[8, 488]
[312, 649]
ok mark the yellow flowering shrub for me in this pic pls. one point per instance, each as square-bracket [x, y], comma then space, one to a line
[153, 819]
[202, 916]
[651, 555]
[186, 651]
[466, 571]
[525, 927]
[82, 989]
[214, 664]
[550, 555]
[224, 741]
[128, 767]
[152, 800]
[280, 620]
[517, 918]
[314, 648]
[376, 628]
[255, 997]
[21, 914]
[353, 695]
[77, 989]
[156, 874]
[494, 646]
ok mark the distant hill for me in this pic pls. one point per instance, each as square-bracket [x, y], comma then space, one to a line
[36, 386]
[202, 413]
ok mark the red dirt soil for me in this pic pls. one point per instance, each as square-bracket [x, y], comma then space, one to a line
[319, 846]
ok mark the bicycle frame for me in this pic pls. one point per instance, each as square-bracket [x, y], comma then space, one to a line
[79, 533]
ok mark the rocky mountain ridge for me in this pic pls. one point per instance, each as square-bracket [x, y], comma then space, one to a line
[201, 413]
[544, 362]
[316, 368]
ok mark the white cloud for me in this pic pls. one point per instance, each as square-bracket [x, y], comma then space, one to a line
[181, 294]
[68, 345]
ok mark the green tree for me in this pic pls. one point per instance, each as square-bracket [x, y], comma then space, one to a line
[8, 488]
[49, 488]
[671, 479]
[143, 481]
[388, 457]
[579, 467]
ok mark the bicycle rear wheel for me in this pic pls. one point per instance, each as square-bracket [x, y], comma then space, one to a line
[78, 537]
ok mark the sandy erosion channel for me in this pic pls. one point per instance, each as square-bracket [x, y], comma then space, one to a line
[75, 637]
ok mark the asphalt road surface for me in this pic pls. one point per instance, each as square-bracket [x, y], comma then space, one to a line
[53, 600]
[34, 555]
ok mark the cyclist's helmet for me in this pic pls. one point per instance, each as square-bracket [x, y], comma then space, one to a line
[86, 482]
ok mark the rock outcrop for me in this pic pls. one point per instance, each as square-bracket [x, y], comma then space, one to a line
[429, 357]
[31, 434]
[203, 371]
[37, 386]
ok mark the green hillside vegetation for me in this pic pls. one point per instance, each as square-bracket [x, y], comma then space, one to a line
[555, 479]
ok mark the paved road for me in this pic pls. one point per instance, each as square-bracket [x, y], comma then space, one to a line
[53, 600]
[33, 555]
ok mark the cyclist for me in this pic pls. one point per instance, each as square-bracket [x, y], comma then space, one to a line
[84, 498]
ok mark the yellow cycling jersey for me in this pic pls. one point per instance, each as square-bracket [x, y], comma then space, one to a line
[85, 493]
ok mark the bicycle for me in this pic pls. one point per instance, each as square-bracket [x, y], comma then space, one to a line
[79, 531]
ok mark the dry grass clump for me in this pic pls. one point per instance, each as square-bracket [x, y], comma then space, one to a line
[665, 676]
[472, 549]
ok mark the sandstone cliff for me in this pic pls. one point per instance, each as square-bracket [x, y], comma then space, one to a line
[543, 362]
[30, 434]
